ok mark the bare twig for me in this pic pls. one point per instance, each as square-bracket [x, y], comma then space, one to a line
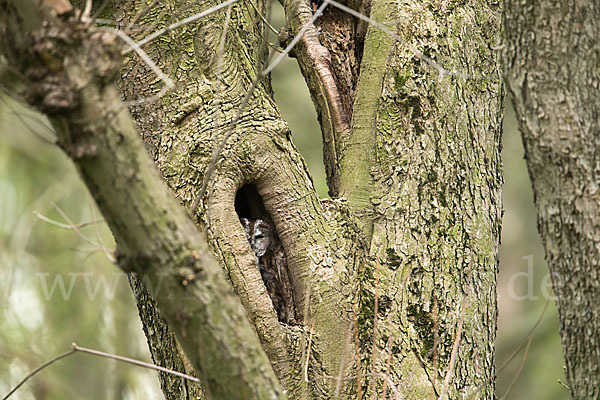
[184, 21]
[357, 355]
[75, 348]
[21, 118]
[389, 381]
[168, 82]
[385, 377]
[134, 362]
[230, 129]
[264, 20]
[38, 369]
[87, 11]
[220, 52]
[75, 228]
[338, 386]
[217, 151]
[388, 365]
[374, 344]
[518, 371]
[148, 99]
[139, 15]
[296, 38]
[65, 226]
[99, 10]
[436, 340]
[454, 354]
[98, 236]
[424, 366]
[537, 323]
[312, 329]
[441, 70]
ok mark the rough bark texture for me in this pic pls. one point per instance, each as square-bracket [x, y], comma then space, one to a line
[422, 168]
[385, 276]
[68, 73]
[551, 63]
[180, 131]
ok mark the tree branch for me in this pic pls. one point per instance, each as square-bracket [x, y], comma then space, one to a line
[71, 68]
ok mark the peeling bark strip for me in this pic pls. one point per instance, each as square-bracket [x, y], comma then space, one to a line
[69, 70]
[551, 68]
[330, 72]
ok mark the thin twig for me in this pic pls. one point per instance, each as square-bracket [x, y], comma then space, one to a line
[424, 366]
[388, 365]
[220, 52]
[87, 10]
[357, 355]
[133, 45]
[264, 20]
[98, 236]
[38, 369]
[312, 328]
[99, 10]
[217, 151]
[230, 129]
[75, 228]
[184, 21]
[139, 15]
[262, 34]
[525, 339]
[387, 379]
[436, 340]
[75, 348]
[374, 344]
[296, 38]
[518, 371]
[134, 362]
[441, 70]
[65, 226]
[147, 99]
[454, 354]
[20, 117]
[338, 386]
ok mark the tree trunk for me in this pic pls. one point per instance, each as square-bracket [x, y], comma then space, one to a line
[393, 281]
[551, 68]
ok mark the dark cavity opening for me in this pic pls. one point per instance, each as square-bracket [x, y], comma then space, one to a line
[270, 256]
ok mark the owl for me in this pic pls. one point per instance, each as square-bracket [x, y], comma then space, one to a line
[272, 265]
[259, 234]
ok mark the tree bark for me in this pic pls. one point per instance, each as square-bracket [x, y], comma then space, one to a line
[394, 279]
[422, 163]
[68, 72]
[551, 68]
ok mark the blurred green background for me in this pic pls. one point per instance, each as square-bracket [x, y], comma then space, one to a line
[93, 307]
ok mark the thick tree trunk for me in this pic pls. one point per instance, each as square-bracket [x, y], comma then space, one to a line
[394, 281]
[427, 147]
[551, 65]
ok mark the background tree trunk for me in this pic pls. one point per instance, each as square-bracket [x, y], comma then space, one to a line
[551, 67]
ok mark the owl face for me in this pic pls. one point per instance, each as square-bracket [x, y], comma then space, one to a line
[258, 233]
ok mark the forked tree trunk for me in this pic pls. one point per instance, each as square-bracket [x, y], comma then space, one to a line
[394, 279]
[551, 64]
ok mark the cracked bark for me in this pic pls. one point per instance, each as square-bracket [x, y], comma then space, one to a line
[415, 157]
[551, 68]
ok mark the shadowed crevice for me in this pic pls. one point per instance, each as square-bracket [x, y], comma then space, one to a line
[270, 255]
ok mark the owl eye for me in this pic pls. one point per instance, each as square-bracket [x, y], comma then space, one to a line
[260, 236]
